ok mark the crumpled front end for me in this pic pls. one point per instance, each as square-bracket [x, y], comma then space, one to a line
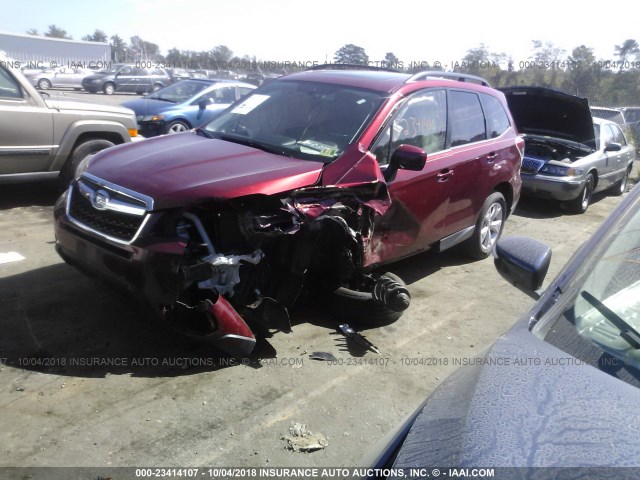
[223, 269]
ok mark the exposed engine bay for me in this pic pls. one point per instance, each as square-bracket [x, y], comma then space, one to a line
[551, 149]
[252, 259]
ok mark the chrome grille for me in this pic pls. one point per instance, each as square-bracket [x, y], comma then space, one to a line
[108, 210]
[532, 165]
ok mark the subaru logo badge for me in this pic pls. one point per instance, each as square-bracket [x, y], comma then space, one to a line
[100, 200]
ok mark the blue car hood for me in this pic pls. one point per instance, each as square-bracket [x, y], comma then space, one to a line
[526, 403]
[148, 106]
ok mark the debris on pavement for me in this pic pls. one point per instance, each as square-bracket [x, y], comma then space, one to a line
[324, 356]
[303, 440]
[357, 339]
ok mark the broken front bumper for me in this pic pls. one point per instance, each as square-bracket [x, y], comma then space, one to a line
[147, 272]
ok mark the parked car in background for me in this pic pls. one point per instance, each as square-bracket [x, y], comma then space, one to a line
[127, 79]
[61, 77]
[184, 105]
[569, 155]
[310, 183]
[632, 122]
[43, 138]
[559, 389]
[611, 114]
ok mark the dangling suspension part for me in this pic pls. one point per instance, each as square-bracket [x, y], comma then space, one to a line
[389, 292]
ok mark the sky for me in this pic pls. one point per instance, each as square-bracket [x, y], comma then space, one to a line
[286, 30]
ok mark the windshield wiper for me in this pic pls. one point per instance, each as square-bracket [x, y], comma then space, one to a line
[627, 332]
[161, 99]
[250, 143]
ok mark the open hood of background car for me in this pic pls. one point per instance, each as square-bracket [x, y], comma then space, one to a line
[547, 112]
[213, 169]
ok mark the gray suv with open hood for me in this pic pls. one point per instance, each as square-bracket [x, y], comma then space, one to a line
[569, 155]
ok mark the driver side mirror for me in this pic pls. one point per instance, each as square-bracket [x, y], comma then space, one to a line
[523, 262]
[202, 103]
[613, 147]
[405, 157]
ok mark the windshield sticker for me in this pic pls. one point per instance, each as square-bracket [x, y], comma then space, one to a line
[250, 103]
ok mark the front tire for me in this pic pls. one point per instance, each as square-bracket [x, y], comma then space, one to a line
[358, 307]
[109, 88]
[488, 227]
[581, 203]
[81, 151]
[176, 127]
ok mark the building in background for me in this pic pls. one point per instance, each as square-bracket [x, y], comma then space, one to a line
[45, 52]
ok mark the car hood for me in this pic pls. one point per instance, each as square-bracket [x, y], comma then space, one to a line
[526, 404]
[183, 169]
[82, 106]
[148, 106]
[544, 111]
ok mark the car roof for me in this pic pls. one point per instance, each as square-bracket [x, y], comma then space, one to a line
[378, 80]
[603, 121]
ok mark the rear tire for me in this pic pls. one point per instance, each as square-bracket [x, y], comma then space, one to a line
[488, 227]
[359, 308]
[581, 203]
[44, 84]
[81, 151]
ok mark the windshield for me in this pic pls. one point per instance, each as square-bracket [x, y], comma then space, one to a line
[597, 318]
[179, 92]
[300, 119]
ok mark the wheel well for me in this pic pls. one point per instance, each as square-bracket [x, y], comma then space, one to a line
[85, 137]
[182, 120]
[507, 192]
[595, 177]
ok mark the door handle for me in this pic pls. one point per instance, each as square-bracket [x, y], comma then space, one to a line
[444, 175]
[491, 157]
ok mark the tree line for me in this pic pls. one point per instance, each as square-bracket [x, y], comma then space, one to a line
[614, 81]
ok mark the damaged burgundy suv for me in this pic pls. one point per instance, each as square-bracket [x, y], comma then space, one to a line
[309, 184]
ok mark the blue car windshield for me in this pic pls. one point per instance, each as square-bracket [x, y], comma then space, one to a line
[306, 120]
[597, 317]
[180, 92]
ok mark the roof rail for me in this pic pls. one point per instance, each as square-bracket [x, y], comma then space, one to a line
[460, 77]
[351, 66]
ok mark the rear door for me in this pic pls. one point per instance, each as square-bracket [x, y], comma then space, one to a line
[626, 155]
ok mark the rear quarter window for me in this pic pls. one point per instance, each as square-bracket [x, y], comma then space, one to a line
[497, 119]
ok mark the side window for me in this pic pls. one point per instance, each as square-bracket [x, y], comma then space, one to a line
[497, 119]
[421, 121]
[125, 71]
[9, 88]
[466, 118]
[618, 136]
[158, 72]
[244, 91]
[221, 95]
[607, 135]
